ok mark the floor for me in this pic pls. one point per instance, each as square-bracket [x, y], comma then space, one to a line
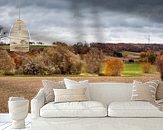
[5, 122]
[8, 126]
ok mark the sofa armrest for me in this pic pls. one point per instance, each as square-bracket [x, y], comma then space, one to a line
[36, 103]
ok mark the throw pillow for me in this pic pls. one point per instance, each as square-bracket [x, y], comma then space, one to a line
[49, 85]
[70, 95]
[159, 94]
[144, 91]
[72, 84]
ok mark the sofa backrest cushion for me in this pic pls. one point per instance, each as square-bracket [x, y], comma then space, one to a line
[109, 92]
[72, 84]
[49, 85]
[144, 91]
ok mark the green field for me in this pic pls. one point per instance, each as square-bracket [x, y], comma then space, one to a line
[7, 47]
[135, 69]
[129, 52]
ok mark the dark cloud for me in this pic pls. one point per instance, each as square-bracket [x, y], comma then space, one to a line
[151, 9]
[87, 20]
[3, 32]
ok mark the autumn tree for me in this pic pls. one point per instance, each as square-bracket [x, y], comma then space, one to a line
[114, 67]
[146, 67]
[60, 60]
[81, 48]
[149, 56]
[93, 59]
[7, 65]
[64, 45]
[32, 64]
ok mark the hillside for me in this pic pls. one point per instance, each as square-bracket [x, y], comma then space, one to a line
[111, 47]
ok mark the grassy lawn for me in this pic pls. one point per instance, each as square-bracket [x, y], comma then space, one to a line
[38, 46]
[135, 69]
[129, 52]
[7, 47]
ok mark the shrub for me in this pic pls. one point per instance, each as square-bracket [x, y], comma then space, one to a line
[159, 62]
[32, 65]
[117, 54]
[114, 67]
[131, 61]
[147, 67]
[7, 65]
[33, 69]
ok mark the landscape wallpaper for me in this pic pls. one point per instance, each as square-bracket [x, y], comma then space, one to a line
[98, 40]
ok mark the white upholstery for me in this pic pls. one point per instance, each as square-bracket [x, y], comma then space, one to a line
[106, 123]
[133, 109]
[110, 92]
[74, 109]
[103, 92]
[106, 93]
[72, 84]
[36, 103]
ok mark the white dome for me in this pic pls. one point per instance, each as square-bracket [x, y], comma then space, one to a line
[19, 37]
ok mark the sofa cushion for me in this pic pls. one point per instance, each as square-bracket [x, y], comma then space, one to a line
[133, 109]
[144, 91]
[72, 84]
[70, 95]
[49, 85]
[74, 109]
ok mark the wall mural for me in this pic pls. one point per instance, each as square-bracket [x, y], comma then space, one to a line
[95, 40]
[19, 37]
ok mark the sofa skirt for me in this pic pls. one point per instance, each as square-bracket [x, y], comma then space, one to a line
[106, 123]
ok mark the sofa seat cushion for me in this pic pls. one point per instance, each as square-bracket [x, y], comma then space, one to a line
[133, 109]
[74, 109]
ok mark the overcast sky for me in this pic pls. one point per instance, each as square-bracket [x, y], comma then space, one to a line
[87, 20]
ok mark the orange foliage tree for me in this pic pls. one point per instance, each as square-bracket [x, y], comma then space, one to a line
[7, 65]
[114, 67]
[146, 67]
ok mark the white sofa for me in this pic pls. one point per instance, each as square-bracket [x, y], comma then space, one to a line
[110, 108]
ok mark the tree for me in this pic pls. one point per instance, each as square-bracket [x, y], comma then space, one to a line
[63, 44]
[60, 60]
[7, 65]
[159, 63]
[33, 68]
[114, 67]
[148, 56]
[33, 64]
[81, 48]
[146, 67]
[93, 59]
[117, 54]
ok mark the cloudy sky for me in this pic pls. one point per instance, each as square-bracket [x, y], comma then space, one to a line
[87, 20]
